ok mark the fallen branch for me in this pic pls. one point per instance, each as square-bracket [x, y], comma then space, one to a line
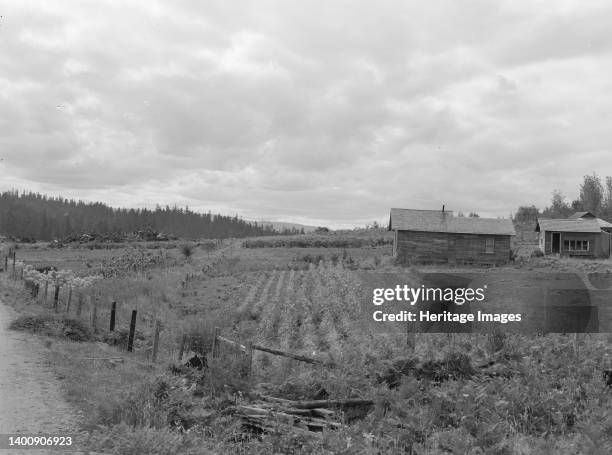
[290, 355]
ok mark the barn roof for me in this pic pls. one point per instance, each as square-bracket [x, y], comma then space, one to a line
[572, 225]
[438, 221]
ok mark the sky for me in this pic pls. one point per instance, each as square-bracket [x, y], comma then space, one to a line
[321, 112]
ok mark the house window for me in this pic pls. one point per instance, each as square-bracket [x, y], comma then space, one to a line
[489, 245]
[576, 245]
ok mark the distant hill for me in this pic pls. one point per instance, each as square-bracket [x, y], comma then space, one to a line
[282, 225]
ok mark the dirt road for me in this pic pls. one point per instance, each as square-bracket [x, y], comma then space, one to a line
[30, 396]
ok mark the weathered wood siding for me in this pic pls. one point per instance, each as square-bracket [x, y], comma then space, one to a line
[599, 244]
[441, 248]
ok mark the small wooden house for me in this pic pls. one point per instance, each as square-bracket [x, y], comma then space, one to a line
[582, 234]
[437, 236]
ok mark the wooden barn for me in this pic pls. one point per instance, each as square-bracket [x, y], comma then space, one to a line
[437, 236]
[582, 234]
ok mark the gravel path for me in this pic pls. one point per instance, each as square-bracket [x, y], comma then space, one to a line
[30, 395]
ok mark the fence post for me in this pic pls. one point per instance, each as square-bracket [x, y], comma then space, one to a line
[46, 291]
[112, 315]
[56, 297]
[155, 341]
[80, 304]
[14, 265]
[182, 347]
[94, 312]
[215, 346]
[69, 300]
[249, 347]
[6, 264]
[130, 345]
[21, 277]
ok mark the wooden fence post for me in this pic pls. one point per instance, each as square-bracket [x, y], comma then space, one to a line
[94, 312]
[56, 297]
[130, 345]
[21, 277]
[46, 291]
[215, 346]
[79, 304]
[112, 315]
[69, 300]
[14, 265]
[182, 347]
[155, 341]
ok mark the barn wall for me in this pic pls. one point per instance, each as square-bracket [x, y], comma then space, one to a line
[471, 248]
[439, 247]
[422, 247]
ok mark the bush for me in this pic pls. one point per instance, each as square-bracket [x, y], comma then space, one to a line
[537, 254]
[187, 250]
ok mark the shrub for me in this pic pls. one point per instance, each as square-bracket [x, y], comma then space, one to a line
[537, 254]
[187, 250]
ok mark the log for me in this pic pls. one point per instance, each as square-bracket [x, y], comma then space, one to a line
[255, 413]
[290, 355]
[314, 404]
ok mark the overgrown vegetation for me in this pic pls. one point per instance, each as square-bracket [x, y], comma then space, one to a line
[318, 241]
[468, 393]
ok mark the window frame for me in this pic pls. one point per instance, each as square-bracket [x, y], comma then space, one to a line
[573, 246]
[489, 245]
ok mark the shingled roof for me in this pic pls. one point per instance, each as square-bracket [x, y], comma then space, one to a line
[588, 225]
[564, 225]
[438, 221]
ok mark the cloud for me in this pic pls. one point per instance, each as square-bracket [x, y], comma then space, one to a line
[324, 111]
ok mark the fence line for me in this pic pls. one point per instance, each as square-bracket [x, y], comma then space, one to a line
[93, 305]
[186, 342]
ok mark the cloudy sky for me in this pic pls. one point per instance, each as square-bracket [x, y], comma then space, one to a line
[314, 111]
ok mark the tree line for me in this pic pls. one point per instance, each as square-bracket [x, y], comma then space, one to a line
[594, 195]
[37, 216]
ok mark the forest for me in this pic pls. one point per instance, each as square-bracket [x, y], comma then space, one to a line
[29, 215]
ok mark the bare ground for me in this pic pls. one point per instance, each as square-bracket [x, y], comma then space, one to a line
[30, 395]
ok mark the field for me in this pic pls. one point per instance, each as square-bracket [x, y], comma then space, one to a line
[430, 393]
